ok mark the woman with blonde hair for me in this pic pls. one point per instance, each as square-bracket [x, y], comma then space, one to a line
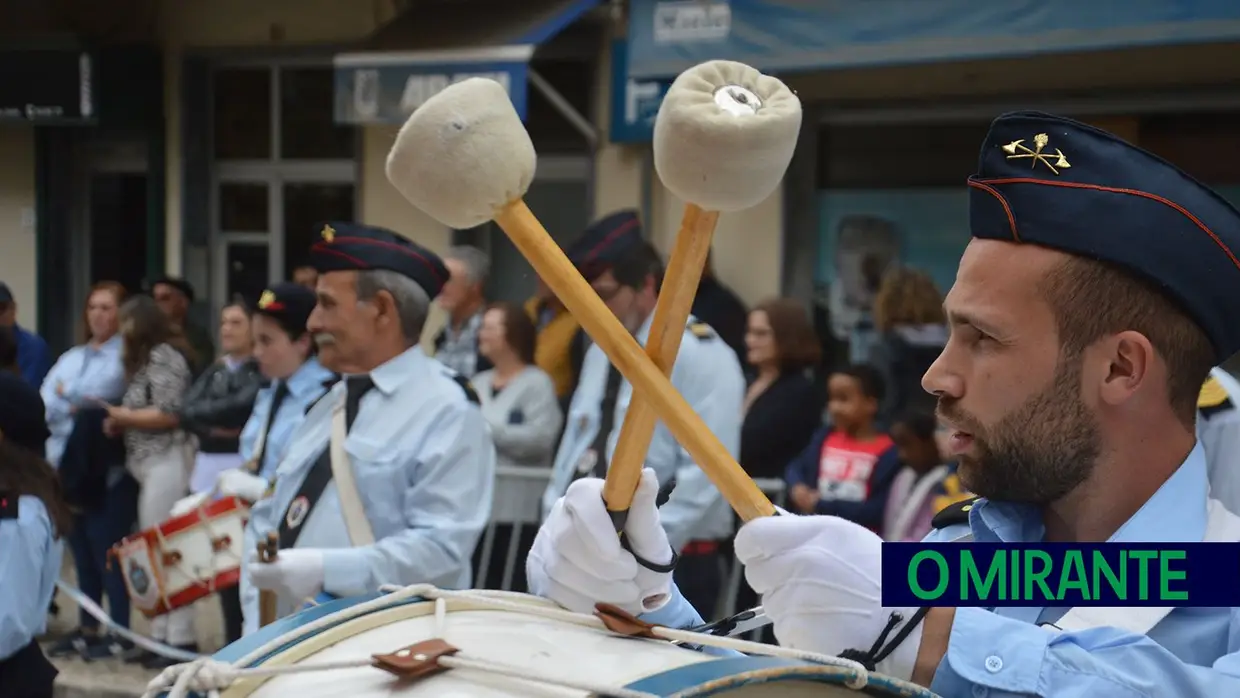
[908, 315]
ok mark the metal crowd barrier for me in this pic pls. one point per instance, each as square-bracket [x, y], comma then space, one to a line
[517, 503]
[518, 497]
[776, 490]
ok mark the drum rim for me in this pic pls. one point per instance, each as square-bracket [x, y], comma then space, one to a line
[733, 672]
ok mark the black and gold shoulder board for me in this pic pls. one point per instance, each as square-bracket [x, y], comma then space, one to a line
[1213, 398]
[701, 330]
[8, 505]
[954, 514]
[470, 393]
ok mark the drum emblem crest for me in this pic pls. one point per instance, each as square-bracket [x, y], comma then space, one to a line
[139, 580]
[297, 511]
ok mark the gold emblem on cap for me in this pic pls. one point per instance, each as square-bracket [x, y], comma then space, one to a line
[1016, 151]
[265, 300]
[329, 233]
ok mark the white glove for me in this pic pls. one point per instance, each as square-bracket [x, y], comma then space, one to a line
[238, 483]
[187, 504]
[577, 561]
[820, 578]
[296, 574]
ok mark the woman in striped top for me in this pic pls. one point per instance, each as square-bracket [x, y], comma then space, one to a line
[157, 360]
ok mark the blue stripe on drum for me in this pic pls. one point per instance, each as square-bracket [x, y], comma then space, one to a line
[721, 675]
[253, 641]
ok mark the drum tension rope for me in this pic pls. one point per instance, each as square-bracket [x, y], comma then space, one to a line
[878, 652]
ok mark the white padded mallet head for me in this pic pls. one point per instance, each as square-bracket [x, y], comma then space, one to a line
[463, 155]
[724, 135]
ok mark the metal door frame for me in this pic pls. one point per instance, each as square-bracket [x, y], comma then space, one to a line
[274, 173]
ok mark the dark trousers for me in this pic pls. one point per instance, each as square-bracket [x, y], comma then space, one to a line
[27, 674]
[94, 534]
[230, 605]
[499, 557]
[699, 574]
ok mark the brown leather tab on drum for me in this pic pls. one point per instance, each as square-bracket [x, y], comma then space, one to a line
[416, 661]
[220, 544]
[171, 558]
[622, 622]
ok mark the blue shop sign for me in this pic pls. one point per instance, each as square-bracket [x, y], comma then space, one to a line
[779, 36]
[634, 101]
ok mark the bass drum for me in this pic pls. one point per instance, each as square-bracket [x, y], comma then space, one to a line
[521, 646]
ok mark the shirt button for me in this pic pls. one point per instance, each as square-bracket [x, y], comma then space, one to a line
[980, 691]
[994, 664]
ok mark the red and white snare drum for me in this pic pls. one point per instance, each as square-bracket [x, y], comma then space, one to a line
[185, 558]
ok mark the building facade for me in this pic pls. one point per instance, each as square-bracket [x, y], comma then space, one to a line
[208, 138]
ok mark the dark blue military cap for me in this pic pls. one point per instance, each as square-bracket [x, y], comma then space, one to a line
[22, 414]
[605, 241]
[289, 304]
[357, 247]
[1058, 183]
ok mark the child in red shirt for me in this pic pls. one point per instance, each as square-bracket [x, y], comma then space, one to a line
[848, 467]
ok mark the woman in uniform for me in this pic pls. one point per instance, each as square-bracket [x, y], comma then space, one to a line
[33, 520]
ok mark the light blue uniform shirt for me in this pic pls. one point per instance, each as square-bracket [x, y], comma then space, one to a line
[708, 375]
[1219, 433]
[30, 560]
[424, 466]
[304, 387]
[82, 373]
[1001, 653]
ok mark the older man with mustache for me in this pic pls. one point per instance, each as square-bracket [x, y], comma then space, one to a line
[389, 478]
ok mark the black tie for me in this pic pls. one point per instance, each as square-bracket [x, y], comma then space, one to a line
[356, 388]
[320, 473]
[607, 419]
[277, 399]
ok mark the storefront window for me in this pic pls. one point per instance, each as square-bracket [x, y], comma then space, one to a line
[307, 127]
[242, 113]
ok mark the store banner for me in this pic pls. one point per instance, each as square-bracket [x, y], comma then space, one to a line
[385, 88]
[780, 36]
[634, 101]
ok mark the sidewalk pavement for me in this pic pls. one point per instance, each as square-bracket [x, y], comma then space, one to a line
[112, 678]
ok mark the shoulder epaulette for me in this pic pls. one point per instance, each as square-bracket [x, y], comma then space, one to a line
[1213, 398]
[701, 330]
[954, 514]
[470, 393]
[327, 389]
[8, 505]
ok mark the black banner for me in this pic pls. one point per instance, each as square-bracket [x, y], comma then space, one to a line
[47, 86]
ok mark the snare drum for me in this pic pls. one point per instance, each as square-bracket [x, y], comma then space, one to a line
[544, 648]
[185, 558]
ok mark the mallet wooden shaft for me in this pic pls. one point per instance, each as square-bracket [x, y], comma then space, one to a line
[267, 599]
[528, 235]
[671, 312]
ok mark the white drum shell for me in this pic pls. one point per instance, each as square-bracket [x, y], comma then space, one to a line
[544, 646]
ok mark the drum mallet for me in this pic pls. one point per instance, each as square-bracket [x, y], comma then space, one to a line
[723, 139]
[464, 159]
[267, 551]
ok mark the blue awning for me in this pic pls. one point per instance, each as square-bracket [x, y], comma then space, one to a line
[454, 41]
[787, 36]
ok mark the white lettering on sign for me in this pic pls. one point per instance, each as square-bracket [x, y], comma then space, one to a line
[637, 94]
[693, 20]
[419, 88]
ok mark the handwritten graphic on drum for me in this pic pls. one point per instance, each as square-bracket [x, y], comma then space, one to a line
[506, 645]
[185, 558]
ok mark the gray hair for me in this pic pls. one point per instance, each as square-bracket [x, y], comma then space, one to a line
[477, 263]
[412, 302]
